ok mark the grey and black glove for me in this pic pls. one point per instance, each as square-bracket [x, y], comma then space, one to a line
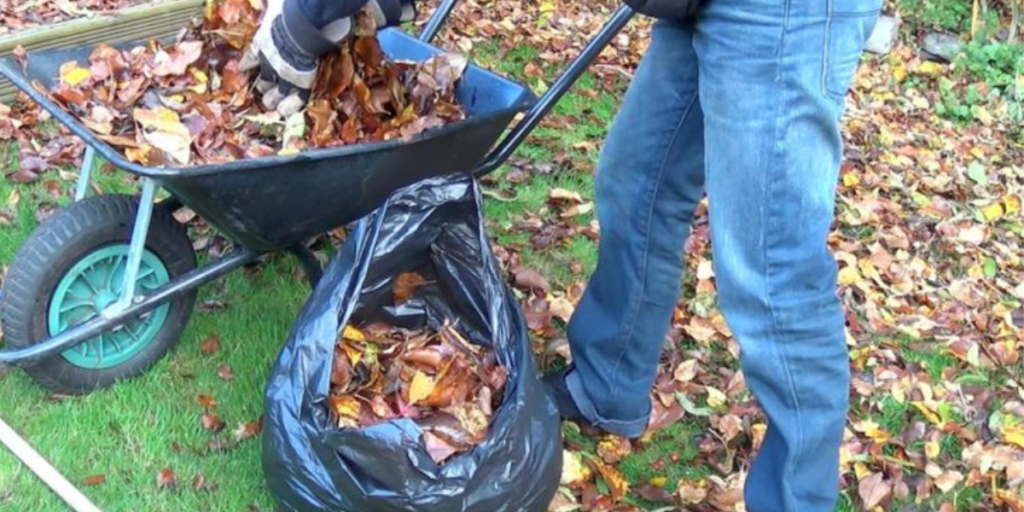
[295, 34]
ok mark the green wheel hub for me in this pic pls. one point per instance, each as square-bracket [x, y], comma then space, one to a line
[92, 285]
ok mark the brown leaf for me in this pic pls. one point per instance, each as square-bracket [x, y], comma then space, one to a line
[225, 372]
[530, 279]
[233, 79]
[616, 481]
[178, 59]
[212, 423]
[692, 492]
[405, 286]
[613, 449]
[165, 479]
[207, 401]
[211, 345]
[873, 490]
[94, 480]
[199, 482]
[438, 448]
[247, 430]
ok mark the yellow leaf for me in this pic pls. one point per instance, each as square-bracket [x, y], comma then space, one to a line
[351, 333]
[345, 406]
[421, 387]
[983, 115]
[848, 276]
[878, 435]
[899, 72]
[659, 481]
[861, 471]
[715, 397]
[617, 483]
[851, 179]
[930, 68]
[573, 471]
[140, 155]
[1012, 204]
[931, 449]
[200, 76]
[547, 7]
[1014, 435]
[76, 76]
[932, 417]
[13, 198]
[992, 211]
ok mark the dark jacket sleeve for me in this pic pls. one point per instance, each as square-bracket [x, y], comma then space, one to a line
[320, 13]
[666, 9]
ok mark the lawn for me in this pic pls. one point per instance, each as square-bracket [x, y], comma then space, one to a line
[928, 236]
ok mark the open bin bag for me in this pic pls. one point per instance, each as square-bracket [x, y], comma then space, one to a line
[435, 228]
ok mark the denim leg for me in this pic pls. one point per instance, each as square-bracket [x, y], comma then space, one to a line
[649, 180]
[772, 101]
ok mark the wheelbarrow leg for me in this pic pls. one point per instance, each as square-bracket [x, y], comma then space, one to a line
[135, 249]
[85, 174]
[310, 264]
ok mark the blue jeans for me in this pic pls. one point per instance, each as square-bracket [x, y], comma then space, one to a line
[744, 102]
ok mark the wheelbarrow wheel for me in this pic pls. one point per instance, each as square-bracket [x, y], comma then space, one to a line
[72, 268]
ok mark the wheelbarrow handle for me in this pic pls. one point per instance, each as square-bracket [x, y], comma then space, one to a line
[436, 20]
[620, 18]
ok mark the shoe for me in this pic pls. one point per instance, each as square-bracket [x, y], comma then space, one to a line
[554, 384]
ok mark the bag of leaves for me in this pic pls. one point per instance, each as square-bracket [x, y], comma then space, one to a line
[408, 381]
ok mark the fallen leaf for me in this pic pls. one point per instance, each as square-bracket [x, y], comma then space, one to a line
[613, 449]
[211, 345]
[692, 492]
[873, 490]
[165, 479]
[94, 480]
[247, 430]
[207, 401]
[162, 128]
[225, 372]
[530, 279]
[405, 286]
[439, 449]
[421, 387]
[212, 423]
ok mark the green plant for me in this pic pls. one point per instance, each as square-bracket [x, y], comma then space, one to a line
[954, 15]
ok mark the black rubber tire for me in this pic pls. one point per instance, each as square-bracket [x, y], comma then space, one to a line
[57, 245]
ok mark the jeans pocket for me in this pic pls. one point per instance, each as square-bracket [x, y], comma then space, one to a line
[847, 29]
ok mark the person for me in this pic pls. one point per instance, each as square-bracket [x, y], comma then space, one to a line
[294, 34]
[741, 100]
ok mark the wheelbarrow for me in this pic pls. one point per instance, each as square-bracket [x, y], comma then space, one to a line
[104, 287]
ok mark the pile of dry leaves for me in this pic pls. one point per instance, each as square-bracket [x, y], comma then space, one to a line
[449, 386]
[17, 15]
[188, 103]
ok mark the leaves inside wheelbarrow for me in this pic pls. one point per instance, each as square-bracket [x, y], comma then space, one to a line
[188, 103]
[447, 385]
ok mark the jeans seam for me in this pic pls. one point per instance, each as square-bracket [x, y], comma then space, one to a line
[634, 314]
[769, 216]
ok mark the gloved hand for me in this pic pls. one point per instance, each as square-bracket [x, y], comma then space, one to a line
[288, 45]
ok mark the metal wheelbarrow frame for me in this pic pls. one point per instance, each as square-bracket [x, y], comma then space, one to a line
[252, 242]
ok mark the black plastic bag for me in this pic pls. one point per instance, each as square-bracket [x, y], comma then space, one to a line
[434, 228]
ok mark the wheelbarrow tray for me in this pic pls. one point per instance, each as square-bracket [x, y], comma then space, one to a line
[272, 203]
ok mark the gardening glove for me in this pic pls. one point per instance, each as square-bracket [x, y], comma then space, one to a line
[288, 45]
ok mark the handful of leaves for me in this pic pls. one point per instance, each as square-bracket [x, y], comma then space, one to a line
[447, 385]
[188, 103]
